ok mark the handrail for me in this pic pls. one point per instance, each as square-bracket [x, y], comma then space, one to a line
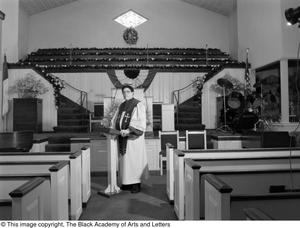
[177, 98]
[83, 102]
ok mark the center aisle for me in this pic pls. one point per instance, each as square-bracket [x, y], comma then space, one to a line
[149, 204]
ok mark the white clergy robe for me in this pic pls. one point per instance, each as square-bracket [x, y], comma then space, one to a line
[133, 165]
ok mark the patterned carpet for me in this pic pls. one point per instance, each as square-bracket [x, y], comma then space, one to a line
[149, 204]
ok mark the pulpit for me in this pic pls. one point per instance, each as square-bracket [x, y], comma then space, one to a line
[112, 158]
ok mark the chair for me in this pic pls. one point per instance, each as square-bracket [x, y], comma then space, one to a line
[171, 137]
[195, 140]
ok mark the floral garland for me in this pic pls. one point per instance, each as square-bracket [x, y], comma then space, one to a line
[130, 36]
[57, 84]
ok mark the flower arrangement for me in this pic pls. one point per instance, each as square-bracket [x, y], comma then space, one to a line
[28, 87]
[130, 36]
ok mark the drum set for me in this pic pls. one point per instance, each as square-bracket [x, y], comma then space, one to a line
[236, 107]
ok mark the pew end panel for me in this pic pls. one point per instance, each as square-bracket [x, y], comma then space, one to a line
[30, 201]
[84, 144]
[191, 183]
[217, 206]
[170, 166]
[39, 145]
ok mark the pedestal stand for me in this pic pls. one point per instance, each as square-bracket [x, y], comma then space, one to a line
[112, 158]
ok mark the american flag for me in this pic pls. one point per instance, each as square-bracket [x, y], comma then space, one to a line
[4, 88]
[247, 77]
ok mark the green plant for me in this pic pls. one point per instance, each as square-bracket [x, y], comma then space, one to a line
[28, 87]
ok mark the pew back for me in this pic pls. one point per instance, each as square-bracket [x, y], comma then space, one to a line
[248, 179]
[75, 172]
[221, 203]
[177, 174]
[18, 140]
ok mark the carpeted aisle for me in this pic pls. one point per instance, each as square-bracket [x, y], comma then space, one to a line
[149, 204]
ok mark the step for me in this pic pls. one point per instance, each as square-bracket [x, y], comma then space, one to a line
[59, 140]
[73, 122]
[188, 120]
[189, 127]
[57, 147]
[190, 108]
[71, 129]
[73, 116]
[182, 114]
[69, 110]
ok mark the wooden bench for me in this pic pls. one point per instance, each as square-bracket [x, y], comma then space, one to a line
[16, 141]
[195, 168]
[175, 169]
[75, 172]
[29, 201]
[222, 204]
[15, 173]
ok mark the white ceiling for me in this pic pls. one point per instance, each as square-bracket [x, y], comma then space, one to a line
[224, 7]
[37, 6]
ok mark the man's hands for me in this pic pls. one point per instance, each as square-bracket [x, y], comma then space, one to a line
[124, 133]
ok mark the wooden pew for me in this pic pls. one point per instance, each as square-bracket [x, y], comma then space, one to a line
[17, 141]
[29, 201]
[195, 168]
[222, 204]
[75, 172]
[83, 144]
[175, 169]
[14, 173]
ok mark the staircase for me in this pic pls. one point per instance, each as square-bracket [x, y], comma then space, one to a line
[189, 115]
[71, 116]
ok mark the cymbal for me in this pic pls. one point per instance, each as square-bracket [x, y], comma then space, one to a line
[224, 83]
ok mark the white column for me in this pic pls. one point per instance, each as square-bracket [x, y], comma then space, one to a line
[284, 91]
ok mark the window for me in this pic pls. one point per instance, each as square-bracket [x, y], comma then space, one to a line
[130, 19]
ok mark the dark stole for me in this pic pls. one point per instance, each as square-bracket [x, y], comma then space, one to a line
[127, 107]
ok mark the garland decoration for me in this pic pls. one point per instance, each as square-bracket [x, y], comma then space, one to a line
[130, 36]
[57, 84]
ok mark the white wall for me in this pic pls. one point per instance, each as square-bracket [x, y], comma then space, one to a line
[164, 84]
[259, 28]
[23, 33]
[233, 35]
[172, 23]
[10, 29]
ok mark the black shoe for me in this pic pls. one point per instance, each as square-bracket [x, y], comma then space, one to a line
[136, 188]
[126, 187]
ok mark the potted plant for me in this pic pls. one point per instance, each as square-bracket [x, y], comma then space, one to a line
[27, 108]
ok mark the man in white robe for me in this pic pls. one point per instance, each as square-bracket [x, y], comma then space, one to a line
[130, 119]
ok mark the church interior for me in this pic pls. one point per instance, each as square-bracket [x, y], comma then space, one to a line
[219, 80]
